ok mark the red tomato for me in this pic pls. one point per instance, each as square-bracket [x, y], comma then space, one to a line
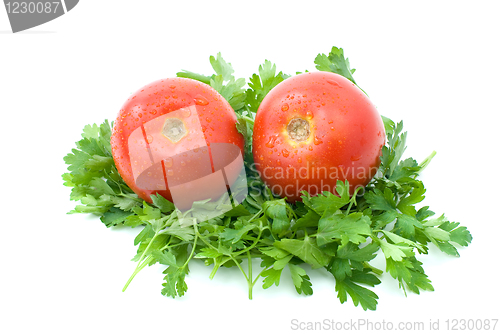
[167, 130]
[314, 129]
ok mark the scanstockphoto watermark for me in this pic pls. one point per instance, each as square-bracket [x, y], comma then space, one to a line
[313, 172]
[363, 324]
[356, 325]
[310, 177]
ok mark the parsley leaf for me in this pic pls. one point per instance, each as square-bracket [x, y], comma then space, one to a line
[277, 211]
[359, 294]
[335, 62]
[300, 279]
[352, 228]
[306, 250]
[262, 83]
[222, 81]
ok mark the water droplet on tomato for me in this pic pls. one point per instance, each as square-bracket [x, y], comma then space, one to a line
[186, 112]
[317, 141]
[285, 153]
[271, 141]
[285, 107]
[310, 148]
[208, 120]
[172, 86]
[169, 162]
[200, 100]
[309, 115]
[334, 83]
[278, 162]
[149, 139]
[261, 157]
[183, 163]
[299, 160]
[355, 157]
[170, 172]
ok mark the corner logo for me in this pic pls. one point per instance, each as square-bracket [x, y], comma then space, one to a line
[28, 14]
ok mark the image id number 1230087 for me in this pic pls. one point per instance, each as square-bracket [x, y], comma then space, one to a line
[32, 7]
[471, 324]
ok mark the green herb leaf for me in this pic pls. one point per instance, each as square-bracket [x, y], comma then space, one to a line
[277, 211]
[359, 294]
[306, 250]
[262, 83]
[352, 228]
[300, 279]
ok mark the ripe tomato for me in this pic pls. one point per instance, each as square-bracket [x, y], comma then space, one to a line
[165, 136]
[314, 129]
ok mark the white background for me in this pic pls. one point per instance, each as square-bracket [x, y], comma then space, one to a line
[434, 65]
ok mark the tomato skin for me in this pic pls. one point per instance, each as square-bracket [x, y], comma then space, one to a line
[216, 117]
[345, 141]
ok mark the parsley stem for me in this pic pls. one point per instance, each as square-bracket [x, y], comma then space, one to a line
[374, 269]
[243, 272]
[239, 266]
[249, 279]
[174, 245]
[246, 118]
[349, 208]
[197, 233]
[261, 228]
[426, 162]
[131, 197]
[216, 267]
[257, 277]
[255, 215]
[139, 267]
[140, 264]
[192, 252]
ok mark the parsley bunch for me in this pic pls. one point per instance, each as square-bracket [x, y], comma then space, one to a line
[338, 233]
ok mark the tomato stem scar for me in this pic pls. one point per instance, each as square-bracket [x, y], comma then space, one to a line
[174, 129]
[298, 129]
